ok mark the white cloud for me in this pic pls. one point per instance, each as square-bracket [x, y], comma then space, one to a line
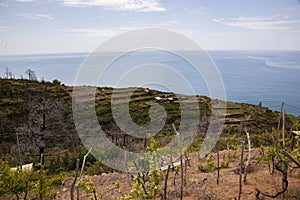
[96, 33]
[278, 22]
[4, 28]
[27, 0]
[119, 5]
[109, 32]
[293, 8]
[88, 32]
[35, 16]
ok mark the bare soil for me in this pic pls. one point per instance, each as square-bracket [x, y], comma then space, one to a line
[202, 185]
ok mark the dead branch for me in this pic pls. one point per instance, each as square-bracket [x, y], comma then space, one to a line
[142, 183]
[292, 158]
[284, 183]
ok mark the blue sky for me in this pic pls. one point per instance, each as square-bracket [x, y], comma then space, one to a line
[52, 26]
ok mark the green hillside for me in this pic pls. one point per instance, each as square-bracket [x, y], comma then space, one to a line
[41, 114]
[36, 125]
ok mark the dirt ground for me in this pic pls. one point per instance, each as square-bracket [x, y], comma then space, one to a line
[201, 185]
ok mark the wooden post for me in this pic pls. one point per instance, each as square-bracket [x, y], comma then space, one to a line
[278, 126]
[82, 167]
[19, 150]
[228, 141]
[74, 182]
[293, 142]
[166, 182]
[126, 167]
[171, 157]
[249, 157]
[83, 162]
[41, 181]
[41, 158]
[241, 170]
[283, 144]
[218, 157]
[283, 126]
[181, 177]
[181, 164]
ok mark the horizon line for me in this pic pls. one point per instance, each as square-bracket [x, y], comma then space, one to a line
[78, 52]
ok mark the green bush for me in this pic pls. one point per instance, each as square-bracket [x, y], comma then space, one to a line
[13, 182]
[208, 167]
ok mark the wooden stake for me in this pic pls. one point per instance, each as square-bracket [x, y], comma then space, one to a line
[241, 170]
[166, 182]
[218, 157]
[181, 174]
[283, 126]
[83, 162]
[181, 164]
[19, 150]
[74, 182]
[249, 157]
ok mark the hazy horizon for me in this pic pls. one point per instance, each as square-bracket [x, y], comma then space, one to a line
[207, 50]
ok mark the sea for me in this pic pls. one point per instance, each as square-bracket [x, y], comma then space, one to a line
[266, 77]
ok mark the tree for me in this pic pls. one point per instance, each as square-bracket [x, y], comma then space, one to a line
[43, 124]
[31, 75]
[8, 74]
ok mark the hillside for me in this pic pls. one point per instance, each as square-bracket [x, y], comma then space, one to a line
[36, 125]
[41, 111]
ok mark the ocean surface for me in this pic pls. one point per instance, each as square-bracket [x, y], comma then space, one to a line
[269, 77]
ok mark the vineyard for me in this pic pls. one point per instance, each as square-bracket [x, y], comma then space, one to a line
[257, 155]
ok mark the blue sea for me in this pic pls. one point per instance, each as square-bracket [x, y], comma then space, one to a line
[269, 77]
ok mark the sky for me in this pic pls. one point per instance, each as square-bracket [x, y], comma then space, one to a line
[57, 26]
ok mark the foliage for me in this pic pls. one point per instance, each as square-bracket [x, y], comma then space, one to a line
[66, 162]
[35, 183]
[209, 166]
[13, 181]
[235, 143]
[89, 188]
[96, 168]
[117, 184]
[140, 188]
[272, 154]
[153, 186]
[225, 163]
[43, 184]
